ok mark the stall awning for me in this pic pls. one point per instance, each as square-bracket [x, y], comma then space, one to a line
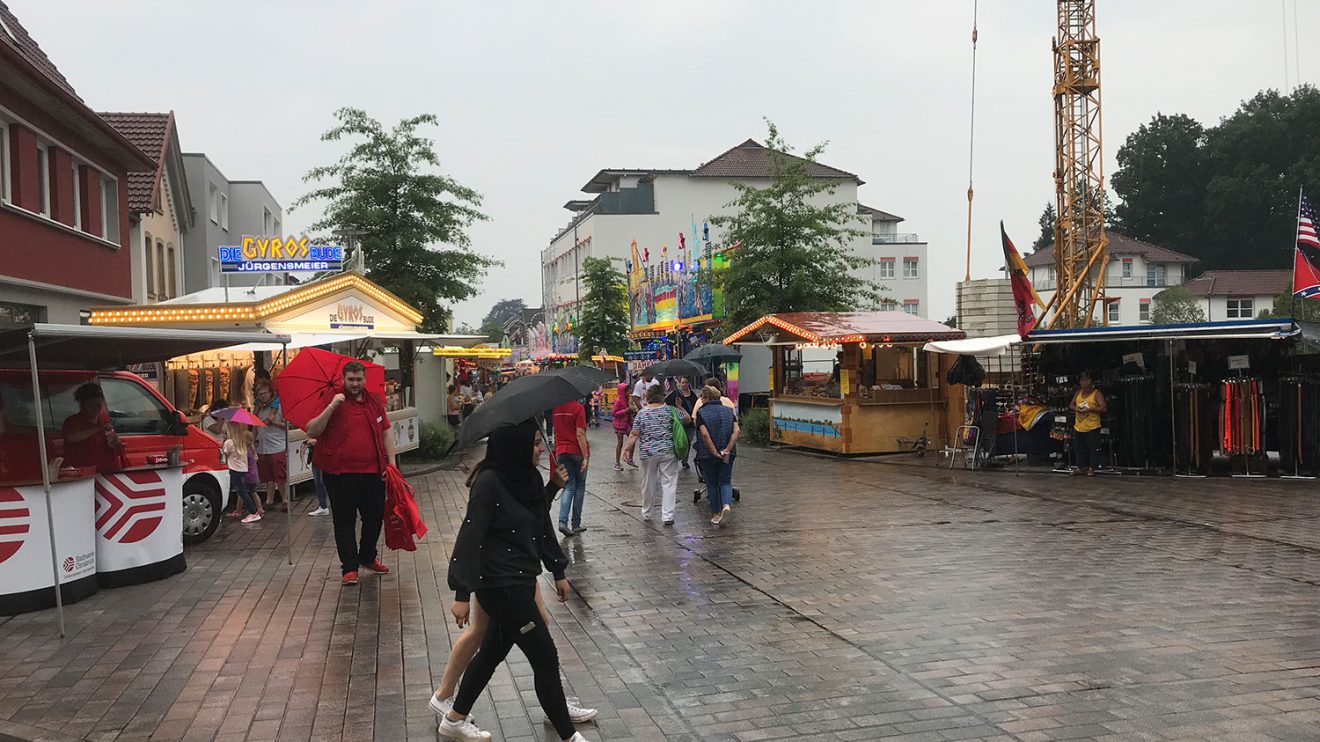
[1262, 329]
[842, 327]
[298, 340]
[85, 346]
[991, 346]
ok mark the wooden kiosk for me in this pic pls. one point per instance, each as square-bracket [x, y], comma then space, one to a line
[856, 382]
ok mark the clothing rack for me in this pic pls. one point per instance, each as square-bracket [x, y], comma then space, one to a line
[1299, 426]
[1136, 405]
[1242, 420]
[1195, 425]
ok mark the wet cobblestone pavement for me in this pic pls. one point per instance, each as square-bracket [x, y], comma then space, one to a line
[848, 600]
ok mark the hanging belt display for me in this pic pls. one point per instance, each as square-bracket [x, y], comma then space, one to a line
[1196, 427]
[1242, 420]
[1299, 425]
[1137, 405]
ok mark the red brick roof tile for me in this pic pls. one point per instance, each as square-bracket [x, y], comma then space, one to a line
[150, 133]
[1119, 245]
[752, 160]
[19, 38]
[1240, 283]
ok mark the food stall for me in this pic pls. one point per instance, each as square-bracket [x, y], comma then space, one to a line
[856, 382]
[345, 313]
[116, 527]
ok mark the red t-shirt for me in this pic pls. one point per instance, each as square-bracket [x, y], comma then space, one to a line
[351, 443]
[569, 418]
[94, 451]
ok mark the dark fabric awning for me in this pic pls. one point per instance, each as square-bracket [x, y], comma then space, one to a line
[102, 347]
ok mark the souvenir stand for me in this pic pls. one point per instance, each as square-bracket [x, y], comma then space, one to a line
[856, 382]
[74, 517]
[345, 313]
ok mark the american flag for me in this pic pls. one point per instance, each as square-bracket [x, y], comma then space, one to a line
[1306, 219]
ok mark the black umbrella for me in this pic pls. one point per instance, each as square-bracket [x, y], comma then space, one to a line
[718, 352]
[522, 399]
[586, 379]
[676, 367]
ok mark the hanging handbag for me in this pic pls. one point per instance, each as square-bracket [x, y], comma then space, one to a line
[681, 444]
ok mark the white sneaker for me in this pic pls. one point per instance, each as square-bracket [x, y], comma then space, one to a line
[577, 737]
[442, 707]
[320, 511]
[579, 714]
[253, 518]
[461, 730]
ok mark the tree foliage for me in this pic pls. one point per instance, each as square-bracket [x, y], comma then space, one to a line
[499, 316]
[796, 255]
[1226, 194]
[1306, 310]
[412, 219]
[1046, 222]
[603, 321]
[1174, 306]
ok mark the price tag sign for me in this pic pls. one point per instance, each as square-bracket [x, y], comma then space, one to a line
[1239, 362]
[1136, 358]
[1191, 367]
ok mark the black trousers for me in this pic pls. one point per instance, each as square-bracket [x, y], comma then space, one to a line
[1086, 447]
[515, 619]
[351, 495]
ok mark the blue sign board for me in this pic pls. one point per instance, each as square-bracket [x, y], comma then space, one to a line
[280, 255]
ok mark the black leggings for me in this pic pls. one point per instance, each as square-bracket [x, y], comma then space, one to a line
[515, 619]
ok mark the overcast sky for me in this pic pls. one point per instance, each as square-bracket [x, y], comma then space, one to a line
[534, 97]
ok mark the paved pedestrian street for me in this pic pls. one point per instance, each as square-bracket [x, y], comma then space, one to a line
[849, 600]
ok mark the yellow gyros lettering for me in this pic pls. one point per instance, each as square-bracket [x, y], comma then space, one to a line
[275, 248]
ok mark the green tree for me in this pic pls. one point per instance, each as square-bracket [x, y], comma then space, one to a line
[603, 321]
[1306, 310]
[1046, 222]
[1174, 306]
[795, 255]
[1226, 194]
[493, 324]
[412, 220]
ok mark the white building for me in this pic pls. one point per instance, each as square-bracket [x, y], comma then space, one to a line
[653, 206]
[1227, 295]
[1137, 272]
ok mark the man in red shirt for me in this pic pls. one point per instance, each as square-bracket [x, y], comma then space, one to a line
[353, 449]
[89, 438]
[574, 454]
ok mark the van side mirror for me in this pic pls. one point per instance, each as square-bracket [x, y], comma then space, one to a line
[178, 425]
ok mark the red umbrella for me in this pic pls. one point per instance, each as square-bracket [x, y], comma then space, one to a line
[313, 377]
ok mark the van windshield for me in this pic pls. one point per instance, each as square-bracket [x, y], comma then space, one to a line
[17, 412]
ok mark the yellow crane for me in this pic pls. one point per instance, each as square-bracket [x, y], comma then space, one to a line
[1081, 253]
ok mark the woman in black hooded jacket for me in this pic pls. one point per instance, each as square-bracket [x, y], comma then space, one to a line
[505, 537]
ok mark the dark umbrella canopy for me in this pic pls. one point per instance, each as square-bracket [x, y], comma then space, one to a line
[586, 379]
[715, 352]
[521, 399]
[676, 367]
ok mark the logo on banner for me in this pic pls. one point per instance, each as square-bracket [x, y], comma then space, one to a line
[129, 506]
[351, 314]
[279, 255]
[68, 564]
[14, 522]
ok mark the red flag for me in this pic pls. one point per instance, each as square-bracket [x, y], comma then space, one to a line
[1306, 260]
[1023, 293]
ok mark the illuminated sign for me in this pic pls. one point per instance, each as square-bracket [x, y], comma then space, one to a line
[280, 255]
[351, 314]
[479, 352]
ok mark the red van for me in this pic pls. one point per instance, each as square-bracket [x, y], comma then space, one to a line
[146, 423]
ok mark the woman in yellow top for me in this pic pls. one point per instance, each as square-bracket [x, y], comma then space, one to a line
[1088, 404]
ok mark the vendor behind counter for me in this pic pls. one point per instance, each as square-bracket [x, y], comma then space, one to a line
[89, 438]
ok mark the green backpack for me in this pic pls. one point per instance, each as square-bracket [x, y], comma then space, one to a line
[681, 444]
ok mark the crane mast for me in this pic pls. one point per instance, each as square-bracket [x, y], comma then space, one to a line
[1080, 245]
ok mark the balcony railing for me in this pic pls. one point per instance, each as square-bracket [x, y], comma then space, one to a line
[1150, 281]
[893, 239]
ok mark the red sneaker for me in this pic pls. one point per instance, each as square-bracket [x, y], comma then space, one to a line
[377, 566]
[350, 578]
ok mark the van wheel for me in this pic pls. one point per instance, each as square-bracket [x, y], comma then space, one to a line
[201, 510]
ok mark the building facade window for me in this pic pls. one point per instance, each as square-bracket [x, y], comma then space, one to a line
[224, 212]
[149, 253]
[1241, 308]
[1127, 267]
[1113, 313]
[161, 270]
[886, 267]
[267, 222]
[77, 195]
[1143, 311]
[18, 315]
[43, 178]
[110, 209]
[911, 306]
[4, 161]
[910, 268]
[1156, 275]
[171, 270]
[213, 202]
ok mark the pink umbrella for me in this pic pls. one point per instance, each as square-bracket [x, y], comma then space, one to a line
[238, 415]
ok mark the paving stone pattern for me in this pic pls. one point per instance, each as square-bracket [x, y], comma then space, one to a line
[847, 600]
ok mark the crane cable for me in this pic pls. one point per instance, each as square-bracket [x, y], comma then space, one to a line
[971, 145]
